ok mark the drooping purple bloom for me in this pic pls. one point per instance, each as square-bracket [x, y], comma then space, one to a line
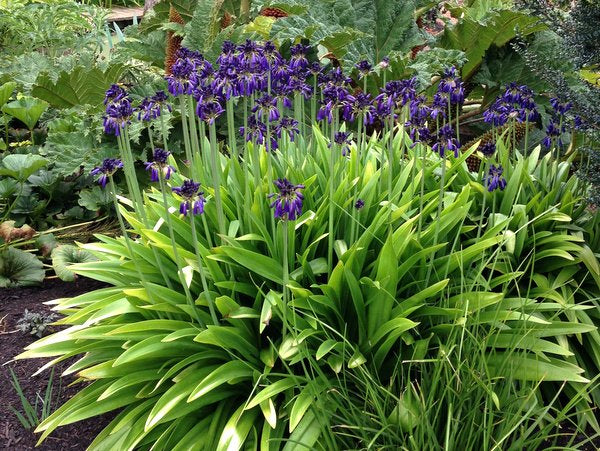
[446, 141]
[148, 110]
[114, 93]
[452, 85]
[256, 131]
[183, 77]
[361, 104]
[270, 53]
[364, 68]
[333, 97]
[118, 115]
[288, 201]
[108, 167]
[298, 60]
[287, 125]
[553, 132]
[159, 164]
[192, 198]
[494, 179]
[561, 108]
[266, 108]
[342, 139]
[439, 106]
[228, 54]
[359, 204]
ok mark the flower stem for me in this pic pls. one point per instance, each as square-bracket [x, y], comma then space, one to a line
[209, 299]
[286, 276]
[182, 280]
[216, 176]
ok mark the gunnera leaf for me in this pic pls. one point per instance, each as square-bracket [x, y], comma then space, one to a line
[20, 269]
[66, 255]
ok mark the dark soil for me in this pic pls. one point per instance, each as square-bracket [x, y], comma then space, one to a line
[13, 436]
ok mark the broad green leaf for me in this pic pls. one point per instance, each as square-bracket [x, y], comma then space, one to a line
[21, 166]
[64, 256]
[6, 91]
[227, 372]
[26, 109]
[20, 269]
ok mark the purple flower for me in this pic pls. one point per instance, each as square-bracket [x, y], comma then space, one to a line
[192, 198]
[494, 178]
[446, 141]
[385, 62]
[553, 131]
[561, 108]
[287, 125]
[439, 107]
[333, 97]
[266, 108]
[108, 167]
[256, 131]
[118, 115]
[342, 139]
[251, 54]
[298, 60]
[315, 68]
[183, 77]
[228, 54]
[288, 201]
[364, 68]
[362, 104]
[159, 165]
[359, 204]
[151, 108]
[452, 84]
[270, 53]
[114, 94]
[488, 149]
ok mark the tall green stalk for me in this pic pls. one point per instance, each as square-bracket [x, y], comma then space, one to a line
[209, 299]
[186, 289]
[216, 176]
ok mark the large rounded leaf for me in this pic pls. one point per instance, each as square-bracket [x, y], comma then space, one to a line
[66, 255]
[6, 91]
[21, 166]
[19, 269]
[27, 109]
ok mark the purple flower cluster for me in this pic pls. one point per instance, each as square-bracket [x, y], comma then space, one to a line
[192, 198]
[494, 179]
[152, 107]
[517, 103]
[159, 164]
[446, 141]
[288, 201]
[558, 123]
[342, 139]
[108, 167]
[118, 110]
[452, 86]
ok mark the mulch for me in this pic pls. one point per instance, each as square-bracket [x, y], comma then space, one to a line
[13, 436]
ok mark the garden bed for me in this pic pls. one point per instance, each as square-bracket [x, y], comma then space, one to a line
[13, 435]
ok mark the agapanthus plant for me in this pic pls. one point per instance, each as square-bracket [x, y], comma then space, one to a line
[108, 167]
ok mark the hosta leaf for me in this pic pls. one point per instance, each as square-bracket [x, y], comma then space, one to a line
[21, 166]
[20, 269]
[66, 255]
